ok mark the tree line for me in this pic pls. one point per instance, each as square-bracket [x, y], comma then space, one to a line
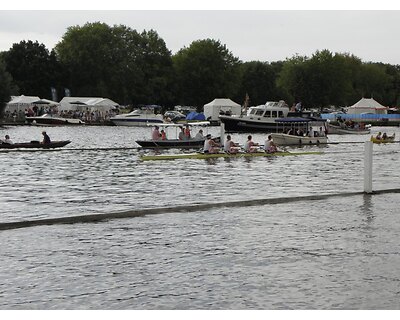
[133, 68]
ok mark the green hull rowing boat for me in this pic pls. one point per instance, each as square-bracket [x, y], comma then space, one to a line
[223, 155]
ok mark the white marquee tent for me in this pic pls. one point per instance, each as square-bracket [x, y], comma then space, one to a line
[367, 106]
[213, 109]
[20, 103]
[87, 103]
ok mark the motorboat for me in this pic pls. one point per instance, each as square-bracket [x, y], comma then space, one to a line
[342, 128]
[192, 142]
[301, 131]
[34, 145]
[262, 118]
[51, 120]
[139, 117]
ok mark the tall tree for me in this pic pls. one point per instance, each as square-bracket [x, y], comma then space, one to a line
[6, 87]
[116, 62]
[32, 68]
[258, 80]
[205, 70]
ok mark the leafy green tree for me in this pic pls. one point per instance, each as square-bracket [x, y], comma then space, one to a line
[292, 78]
[374, 81]
[392, 96]
[205, 70]
[32, 68]
[258, 80]
[7, 87]
[116, 62]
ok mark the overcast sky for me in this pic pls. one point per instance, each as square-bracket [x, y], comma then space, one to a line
[264, 35]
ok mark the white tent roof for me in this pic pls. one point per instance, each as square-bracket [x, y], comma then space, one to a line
[368, 103]
[222, 103]
[47, 102]
[73, 103]
[23, 99]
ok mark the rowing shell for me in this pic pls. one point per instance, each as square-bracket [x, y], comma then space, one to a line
[224, 155]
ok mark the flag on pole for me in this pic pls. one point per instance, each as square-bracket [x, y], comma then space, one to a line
[53, 94]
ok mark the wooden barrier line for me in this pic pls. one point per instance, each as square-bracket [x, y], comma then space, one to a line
[189, 208]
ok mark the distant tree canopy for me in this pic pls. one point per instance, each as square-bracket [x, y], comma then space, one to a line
[33, 68]
[334, 79]
[134, 68]
[6, 86]
[116, 62]
[258, 81]
[205, 70]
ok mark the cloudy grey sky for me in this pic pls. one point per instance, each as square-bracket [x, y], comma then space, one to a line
[265, 35]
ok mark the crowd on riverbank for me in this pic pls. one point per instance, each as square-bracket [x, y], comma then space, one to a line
[89, 117]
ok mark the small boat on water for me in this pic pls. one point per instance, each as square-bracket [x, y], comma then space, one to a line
[199, 155]
[35, 145]
[343, 129]
[50, 120]
[389, 139]
[301, 131]
[139, 117]
[191, 143]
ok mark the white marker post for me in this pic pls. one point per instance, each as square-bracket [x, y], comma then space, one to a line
[222, 134]
[368, 167]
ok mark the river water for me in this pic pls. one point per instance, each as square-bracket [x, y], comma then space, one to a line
[336, 253]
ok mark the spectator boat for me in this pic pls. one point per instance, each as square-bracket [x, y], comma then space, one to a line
[263, 118]
[50, 120]
[174, 129]
[301, 131]
[139, 117]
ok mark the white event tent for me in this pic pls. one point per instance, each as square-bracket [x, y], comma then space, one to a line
[21, 103]
[87, 103]
[18, 103]
[213, 109]
[367, 106]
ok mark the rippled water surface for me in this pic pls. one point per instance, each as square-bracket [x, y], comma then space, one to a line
[339, 253]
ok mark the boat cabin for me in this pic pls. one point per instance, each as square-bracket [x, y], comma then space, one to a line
[271, 109]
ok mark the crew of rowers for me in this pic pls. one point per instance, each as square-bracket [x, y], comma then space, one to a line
[383, 136]
[210, 146]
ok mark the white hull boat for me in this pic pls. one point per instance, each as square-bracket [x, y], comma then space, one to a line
[138, 117]
[283, 139]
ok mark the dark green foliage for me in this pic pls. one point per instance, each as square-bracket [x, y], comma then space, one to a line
[6, 86]
[116, 62]
[33, 68]
[204, 71]
[134, 68]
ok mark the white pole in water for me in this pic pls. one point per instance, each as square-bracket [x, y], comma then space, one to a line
[222, 135]
[368, 167]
